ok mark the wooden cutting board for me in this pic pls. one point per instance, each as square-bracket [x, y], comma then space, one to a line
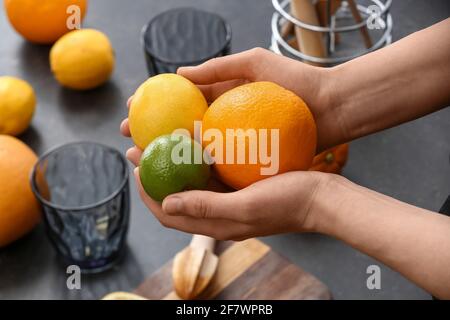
[247, 270]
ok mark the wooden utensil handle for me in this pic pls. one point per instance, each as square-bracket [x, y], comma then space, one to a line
[200, 241]
[309, 42]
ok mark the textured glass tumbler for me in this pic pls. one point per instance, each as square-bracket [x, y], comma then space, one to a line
[84, 191]
[184, 37]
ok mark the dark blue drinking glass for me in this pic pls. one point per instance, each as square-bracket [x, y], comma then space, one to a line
[184, 37]
[84, 192]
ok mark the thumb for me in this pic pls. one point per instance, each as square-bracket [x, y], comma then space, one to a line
[206, 205]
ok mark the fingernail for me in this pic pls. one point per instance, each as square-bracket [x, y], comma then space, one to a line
[136, 171]
[172, 205]
[181, 69]
[127, 156]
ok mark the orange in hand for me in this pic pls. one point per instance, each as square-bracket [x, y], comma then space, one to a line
[262, 106]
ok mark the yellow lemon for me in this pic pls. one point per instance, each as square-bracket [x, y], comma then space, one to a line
[82, 59]
[17, 104]
[162, 104]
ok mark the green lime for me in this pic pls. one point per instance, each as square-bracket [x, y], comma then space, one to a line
[172, 163]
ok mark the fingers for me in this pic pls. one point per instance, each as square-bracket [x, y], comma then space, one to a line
[125, 128]
[134, 155]
[235, 66]
[207, 205]
[213, 91]
[129, 101]
[217, 228]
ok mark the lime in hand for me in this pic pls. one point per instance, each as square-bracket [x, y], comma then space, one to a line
[172, 163]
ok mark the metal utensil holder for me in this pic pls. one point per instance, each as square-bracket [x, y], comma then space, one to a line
[377, 12]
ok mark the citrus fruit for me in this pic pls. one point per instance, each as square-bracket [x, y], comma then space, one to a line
[44, 21]
[82, 59]
[162, 104]
[168, 165]
[263, 107]
[17, 104]
[19, 209]
[331, 160]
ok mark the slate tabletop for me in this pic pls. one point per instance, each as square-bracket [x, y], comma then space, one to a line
[410, 162]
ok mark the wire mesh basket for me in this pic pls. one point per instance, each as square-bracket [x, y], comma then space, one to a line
[339, 32]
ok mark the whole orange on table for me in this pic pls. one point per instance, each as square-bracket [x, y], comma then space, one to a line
[19, 209]
[331, 160]
[263, 105]
[42, 21]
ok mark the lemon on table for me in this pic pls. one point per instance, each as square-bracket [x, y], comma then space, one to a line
[82, 59]
[162, 104]
[17, 105]
[169, 165]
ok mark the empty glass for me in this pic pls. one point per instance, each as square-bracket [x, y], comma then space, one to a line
[184, 37]
[83, 188]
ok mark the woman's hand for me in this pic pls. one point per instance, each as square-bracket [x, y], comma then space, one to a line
[279, 204]
[236, 215]
[312, 84]
[345, 101]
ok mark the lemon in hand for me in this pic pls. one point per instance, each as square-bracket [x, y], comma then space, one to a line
[162, 104]
[17, 105]
[82, 59]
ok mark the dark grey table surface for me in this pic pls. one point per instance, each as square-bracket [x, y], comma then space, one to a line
[409, 162]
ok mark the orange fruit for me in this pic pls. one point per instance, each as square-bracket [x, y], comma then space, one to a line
[261, 105]
[43, 21]
[331, 160]
[19, 209]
